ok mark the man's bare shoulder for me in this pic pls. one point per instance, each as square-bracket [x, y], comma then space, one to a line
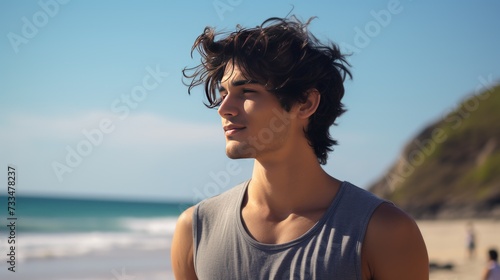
[389, 219]
[182, 246]
[393, 246]
[186, 217]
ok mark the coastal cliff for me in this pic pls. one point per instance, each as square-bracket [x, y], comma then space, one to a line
[451, 169]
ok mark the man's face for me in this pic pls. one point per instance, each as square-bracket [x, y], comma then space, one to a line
[255, 125]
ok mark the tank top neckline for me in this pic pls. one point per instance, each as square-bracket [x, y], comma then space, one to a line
[281, 246]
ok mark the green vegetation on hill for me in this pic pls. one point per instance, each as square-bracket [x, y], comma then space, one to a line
[452, 168]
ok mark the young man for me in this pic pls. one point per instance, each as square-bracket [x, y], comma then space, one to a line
[278, 90]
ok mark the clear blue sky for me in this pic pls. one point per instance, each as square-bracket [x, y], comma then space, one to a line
[73, 66]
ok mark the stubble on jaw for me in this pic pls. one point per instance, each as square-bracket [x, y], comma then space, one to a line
[270, 138]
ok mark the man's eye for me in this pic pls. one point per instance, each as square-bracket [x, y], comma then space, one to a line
[246, 90]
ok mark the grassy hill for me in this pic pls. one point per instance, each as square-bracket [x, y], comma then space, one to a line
[452, 168]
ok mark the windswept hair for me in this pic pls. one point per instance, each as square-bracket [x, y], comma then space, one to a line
[284, 57]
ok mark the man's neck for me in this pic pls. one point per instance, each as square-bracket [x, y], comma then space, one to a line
[293, 185]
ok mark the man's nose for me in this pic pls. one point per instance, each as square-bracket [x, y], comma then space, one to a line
[228, 106]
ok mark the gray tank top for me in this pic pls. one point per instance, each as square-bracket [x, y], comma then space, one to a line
[331, 249]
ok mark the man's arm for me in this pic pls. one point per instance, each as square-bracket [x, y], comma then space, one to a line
[393, 248]
[182, 247]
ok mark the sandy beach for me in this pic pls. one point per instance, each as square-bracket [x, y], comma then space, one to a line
[446, 244]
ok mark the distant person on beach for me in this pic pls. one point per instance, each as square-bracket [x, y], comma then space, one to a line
[278, 91]
[470, 240]
[492, 270]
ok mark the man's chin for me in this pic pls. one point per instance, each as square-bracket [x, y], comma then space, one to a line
[239, 150]
[235, 156]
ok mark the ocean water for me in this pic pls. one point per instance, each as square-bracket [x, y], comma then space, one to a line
[56, 232]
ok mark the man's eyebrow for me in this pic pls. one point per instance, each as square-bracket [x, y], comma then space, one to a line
[243, 82]
[239, 83]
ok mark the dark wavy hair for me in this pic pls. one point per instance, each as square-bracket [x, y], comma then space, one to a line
[282, 55]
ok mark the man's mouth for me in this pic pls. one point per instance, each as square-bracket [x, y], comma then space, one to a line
[232, 129]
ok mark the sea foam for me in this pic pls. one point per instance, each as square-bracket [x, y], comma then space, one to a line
[136, 234]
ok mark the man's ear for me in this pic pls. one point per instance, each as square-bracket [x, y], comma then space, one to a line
[309, 107]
